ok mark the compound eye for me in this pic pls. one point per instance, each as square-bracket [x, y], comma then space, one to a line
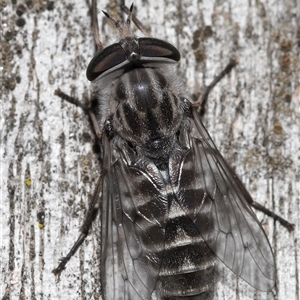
[106, 59]
[142, 51]
[150, 47]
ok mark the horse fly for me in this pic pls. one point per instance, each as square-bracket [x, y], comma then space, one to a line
[171, 206]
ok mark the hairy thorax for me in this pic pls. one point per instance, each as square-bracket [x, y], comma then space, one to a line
[148, 113]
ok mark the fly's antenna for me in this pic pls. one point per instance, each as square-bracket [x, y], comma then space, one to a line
[124, 28]
[135, 20]
[129, 17]
[116, 23]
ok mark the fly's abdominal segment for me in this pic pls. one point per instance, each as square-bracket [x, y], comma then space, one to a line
[171, 207]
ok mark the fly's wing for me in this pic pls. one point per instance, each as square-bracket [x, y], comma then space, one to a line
[222, 214]
[133, 220]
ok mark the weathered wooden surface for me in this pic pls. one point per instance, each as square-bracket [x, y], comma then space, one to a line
[253, 116]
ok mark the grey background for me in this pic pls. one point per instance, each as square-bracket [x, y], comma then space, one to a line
[253, 116]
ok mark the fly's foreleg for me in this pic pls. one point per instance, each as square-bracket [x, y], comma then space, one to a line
[200, 104]
[87, 109]
[93, 207]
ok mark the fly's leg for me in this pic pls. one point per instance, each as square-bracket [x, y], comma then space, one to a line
[290, 227]
[87, 109]
[90, 217]
[93, 207]
[72, 100]
[201, 103]
[95, 26]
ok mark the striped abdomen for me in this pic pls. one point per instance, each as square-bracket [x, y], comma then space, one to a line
[171, 240]
[188, 264]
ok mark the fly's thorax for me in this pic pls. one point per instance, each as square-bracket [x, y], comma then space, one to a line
[149, 113]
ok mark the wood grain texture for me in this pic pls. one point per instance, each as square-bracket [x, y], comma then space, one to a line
[253, 116]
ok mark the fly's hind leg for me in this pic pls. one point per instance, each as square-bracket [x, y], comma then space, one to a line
[290, 227]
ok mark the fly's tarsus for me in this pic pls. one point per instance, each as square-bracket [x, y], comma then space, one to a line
[88, 221]
[290, 227]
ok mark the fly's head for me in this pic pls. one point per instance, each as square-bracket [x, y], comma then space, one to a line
[130, 52]
[145, 107]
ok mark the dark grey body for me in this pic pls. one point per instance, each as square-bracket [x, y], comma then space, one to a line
[170, 203]
[149, 119]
